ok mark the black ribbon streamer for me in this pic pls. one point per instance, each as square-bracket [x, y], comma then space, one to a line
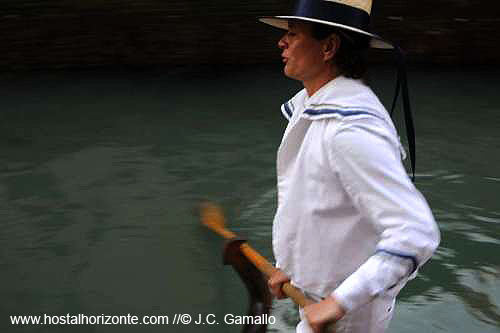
[402, 84]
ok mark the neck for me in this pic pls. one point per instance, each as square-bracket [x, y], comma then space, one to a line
[314, 84]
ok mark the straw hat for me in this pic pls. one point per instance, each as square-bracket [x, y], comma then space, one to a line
[353, 15]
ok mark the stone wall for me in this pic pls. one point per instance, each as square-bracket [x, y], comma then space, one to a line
[75, 33]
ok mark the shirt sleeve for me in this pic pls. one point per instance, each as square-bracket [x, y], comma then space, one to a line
[365, 156]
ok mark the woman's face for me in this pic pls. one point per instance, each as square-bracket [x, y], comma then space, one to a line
[302, 53]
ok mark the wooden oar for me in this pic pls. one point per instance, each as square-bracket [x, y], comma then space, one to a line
[212, 217]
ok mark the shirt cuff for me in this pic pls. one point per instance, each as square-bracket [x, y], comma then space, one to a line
[380, 274]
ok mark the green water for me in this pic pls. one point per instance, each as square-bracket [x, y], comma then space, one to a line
[101, 174]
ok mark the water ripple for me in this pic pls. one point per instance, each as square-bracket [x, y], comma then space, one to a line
[485, 218]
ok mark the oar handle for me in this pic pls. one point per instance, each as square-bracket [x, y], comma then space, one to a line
[268, 269]
[226, 234]
[288, 289]
[214, 220]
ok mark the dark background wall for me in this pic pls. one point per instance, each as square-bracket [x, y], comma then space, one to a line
[62, 33]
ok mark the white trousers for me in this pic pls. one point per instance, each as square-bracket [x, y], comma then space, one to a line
[373, 317]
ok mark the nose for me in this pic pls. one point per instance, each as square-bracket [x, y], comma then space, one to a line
[282, 44]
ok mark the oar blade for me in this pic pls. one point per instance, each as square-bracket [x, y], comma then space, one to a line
[211, 216]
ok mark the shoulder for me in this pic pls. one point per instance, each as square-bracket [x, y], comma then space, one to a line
[348, 92]
[344, 97]
[364, 140]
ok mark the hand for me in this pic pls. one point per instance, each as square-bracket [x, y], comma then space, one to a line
[275, 283]
[318, 314]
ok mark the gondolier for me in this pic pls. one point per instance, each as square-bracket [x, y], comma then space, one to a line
[350, 228]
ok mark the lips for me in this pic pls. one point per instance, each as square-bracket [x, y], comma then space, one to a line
[284, 58]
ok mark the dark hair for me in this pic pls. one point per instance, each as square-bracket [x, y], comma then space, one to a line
[349, 58]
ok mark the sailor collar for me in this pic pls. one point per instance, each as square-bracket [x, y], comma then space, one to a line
[339, 98]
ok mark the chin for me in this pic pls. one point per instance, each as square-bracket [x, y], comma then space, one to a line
[289, 73]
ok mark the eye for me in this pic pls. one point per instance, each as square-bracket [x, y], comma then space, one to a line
[291, 34]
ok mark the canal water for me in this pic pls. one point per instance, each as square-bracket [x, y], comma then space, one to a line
[101, 174]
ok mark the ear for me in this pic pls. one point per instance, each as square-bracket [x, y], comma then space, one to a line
[330, 47]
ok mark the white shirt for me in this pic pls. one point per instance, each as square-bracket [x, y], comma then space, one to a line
[349, 220]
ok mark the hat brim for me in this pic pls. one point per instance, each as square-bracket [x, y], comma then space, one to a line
[281, 22]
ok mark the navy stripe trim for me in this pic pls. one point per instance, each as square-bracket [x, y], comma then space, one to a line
[401, 255]
[287, 109]
[344, 113]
